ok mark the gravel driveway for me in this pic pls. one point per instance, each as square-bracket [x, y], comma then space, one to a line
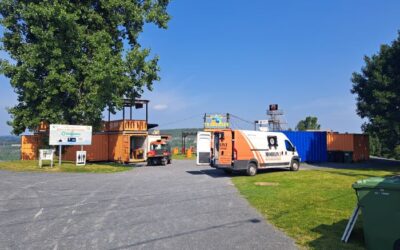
[180, 206]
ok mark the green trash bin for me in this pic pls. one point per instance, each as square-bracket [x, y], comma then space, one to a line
[379, 199]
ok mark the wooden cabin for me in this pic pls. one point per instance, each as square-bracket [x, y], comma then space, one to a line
[123, 140]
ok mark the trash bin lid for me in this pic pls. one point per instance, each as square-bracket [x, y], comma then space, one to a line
[379, 182]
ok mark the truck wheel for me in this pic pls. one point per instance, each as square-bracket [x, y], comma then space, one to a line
[251, 169]
[295, 165]
[169, 161]
[149, 162]
[163, 161]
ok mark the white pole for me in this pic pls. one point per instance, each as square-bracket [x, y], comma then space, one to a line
[59, 155]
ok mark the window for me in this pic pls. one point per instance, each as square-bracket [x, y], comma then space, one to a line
[289, 146]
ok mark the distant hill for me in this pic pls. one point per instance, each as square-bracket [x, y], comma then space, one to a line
[9, 139]
[7, 151]
[177, 136]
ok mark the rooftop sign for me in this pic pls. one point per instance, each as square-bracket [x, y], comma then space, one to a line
[216, 121]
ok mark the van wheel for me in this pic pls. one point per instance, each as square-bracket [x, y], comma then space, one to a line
[295, 165]
[251, 169]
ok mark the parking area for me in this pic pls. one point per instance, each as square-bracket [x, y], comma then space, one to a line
[180, 206]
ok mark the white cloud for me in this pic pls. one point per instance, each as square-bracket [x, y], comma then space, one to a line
[160, 107]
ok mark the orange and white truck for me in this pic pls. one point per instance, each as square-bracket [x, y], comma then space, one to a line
[244, 150]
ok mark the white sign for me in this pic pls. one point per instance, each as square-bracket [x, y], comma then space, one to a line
[46, 154]
[80, 158]
[70, 134]
[263, 122]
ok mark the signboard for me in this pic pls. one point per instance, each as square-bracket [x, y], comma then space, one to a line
[216, 121]
[263, 122]
[80, 158]
[273, 107]
[70, 134]
[46, 155]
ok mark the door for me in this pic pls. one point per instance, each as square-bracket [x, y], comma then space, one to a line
[290, 151]
[224, 150]
[203, 148]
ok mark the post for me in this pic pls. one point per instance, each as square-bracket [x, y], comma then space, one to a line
[109, 114]
[59, 154]
[123, 113]
[147, 113]
[130, 117]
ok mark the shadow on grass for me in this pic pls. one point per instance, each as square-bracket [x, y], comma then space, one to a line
[358, 174]
[372, 164]
[331, 236]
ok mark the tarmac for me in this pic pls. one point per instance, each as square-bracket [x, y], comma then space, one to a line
[179, 206]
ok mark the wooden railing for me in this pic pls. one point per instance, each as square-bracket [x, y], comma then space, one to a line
[126, 125]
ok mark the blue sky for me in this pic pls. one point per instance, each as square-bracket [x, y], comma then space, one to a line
[239, 57]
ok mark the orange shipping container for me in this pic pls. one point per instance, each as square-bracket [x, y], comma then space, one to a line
[340, 142]
[361, 148]
[356, 143]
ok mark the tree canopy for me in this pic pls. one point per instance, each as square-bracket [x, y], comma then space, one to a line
[72, 59]
[310, 123]
[377, 87]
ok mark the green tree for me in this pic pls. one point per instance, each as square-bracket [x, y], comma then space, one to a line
[73, 59]
[377, 87]
[310, 123]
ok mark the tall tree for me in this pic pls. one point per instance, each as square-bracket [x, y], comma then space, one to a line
[310, 123]
[72, 59]
[377, 87]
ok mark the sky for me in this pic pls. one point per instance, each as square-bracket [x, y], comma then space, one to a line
[237, 57]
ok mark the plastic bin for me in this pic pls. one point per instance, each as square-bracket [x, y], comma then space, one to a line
[379, 199]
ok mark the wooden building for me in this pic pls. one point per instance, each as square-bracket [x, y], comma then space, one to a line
[123, 140]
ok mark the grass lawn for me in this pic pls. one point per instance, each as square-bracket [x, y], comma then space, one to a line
[183, 157]
[311, 206]
[33, 166]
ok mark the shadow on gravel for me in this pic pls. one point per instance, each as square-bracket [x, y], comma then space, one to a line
[218, 173]
[215, 173]
[230, 224]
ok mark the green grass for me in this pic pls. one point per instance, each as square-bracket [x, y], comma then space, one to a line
[33, 166]
[311, 206]
[183, 157]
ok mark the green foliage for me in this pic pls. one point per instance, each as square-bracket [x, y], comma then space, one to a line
[72, 59]
[375, 146]
[377, 87]
[310, 123]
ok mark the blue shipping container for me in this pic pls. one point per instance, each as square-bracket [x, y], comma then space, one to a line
[310, 145]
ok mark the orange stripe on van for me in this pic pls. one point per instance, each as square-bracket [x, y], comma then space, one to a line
[244, 148]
